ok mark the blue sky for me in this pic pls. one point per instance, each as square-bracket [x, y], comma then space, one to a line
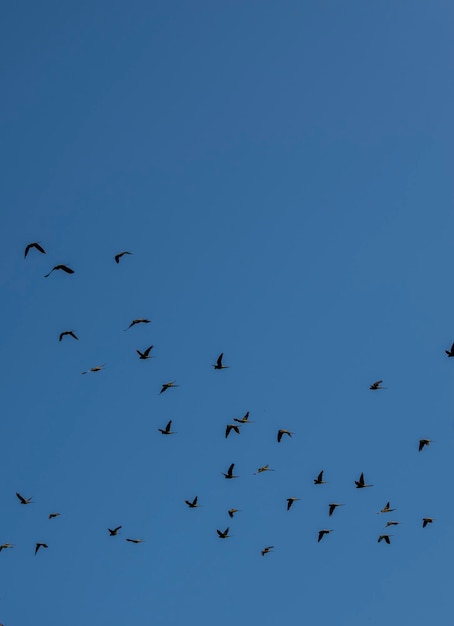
[281, 173]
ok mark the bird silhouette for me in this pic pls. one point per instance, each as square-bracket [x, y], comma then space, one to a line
[119, 255]
[5, 546]
[427, 520]
[423, 443]
[319, 480]
[113, 531]
[135, 540]
[264, 468]
[223, 535]
[282, 432]
[332, 507]
[385, 538]
[391, 524]
[35, 245]
[386, 509]
[64, 268]
[138, 321]
[145, 354]
[166, 386]
[167, 430]
[193, 504]
[266, 550]
[231, 427]
[244, 420]
[376, 385]
[232, 512]
[40, 545]
[71, 333]
[361, 484]
[98, 368]
[230, 473]
[451, 351]
[290, 502]
[24, 500]
[322, 533]
[53, 515]
[218, 365]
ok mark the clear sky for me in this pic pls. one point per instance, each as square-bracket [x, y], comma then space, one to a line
[282, 174]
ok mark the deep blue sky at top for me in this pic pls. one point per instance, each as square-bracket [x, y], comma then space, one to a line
[282, 173]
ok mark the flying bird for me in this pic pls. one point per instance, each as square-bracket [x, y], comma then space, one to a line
[267, 550]
[119, 255]
[332, 507]
[113, 531]
[264, 468]
[392, 524]
[134, 540]
[53, 515]
[423, 443]
[230, 473]
[138, 321]
[230, 427]
[244, 420]
[40, 545]
[282, 432]
[223, 535]
[218, 365]
[376, 385]
[451, 351]
[427, 520]
[166, 386]
[290, 502]
[36, 245]
[322, 533]
[71, 333]
[65, 268]
[361, 484]
[5, 546]
[193, 504]
[319, 480]
[232, 512]
[385, 538]
[98, 368]
[386, 509]
[145, 354]
[167, 430]
[24, 500]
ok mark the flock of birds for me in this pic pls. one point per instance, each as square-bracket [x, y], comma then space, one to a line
[230, 428]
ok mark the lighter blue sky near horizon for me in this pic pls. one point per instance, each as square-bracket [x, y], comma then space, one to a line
[282, 174]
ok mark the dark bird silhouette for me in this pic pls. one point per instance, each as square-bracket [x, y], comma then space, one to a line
[423, 443]
[376, 385]
[24, 500]
[113, 531]
[232, 512]
[427, 520]
[264, 468]
[230, 427]
[134, 540]
[332, 507]
[119, 255]
[290, 502]
[40, 545]
[218, 365]
[98, 368]
[193, 504]
[451, 351]
[392, 524]
[36, 245]
[138, 321]
[223, 535]
[322, 533]
[5, 546]
[145, 354]
[65, 268]
[167, 430]
[230, 473]
[386, 509]
[244, 420]
[166, 386]
[267, 550]
[319, 480]
[71, 333]
[361, 484]
[282, 432]
[385, 538]
[53, 515]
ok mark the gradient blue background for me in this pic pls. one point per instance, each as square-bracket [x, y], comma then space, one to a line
[282, 173]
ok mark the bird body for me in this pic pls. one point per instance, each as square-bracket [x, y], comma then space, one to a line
[98, 368]
[266, 550]
[5, 546]
[232, 512]
[134, 540]
[376, 385]
[119, 255]
[168, 385]
[264, 468]
[113, 531]
[230, 473]
[71, 333]
[53, 515]
[386, 509]
[392, 524]
[423, 443]
[40, 545]
[427, 520]
[145, 354]
[244, 420]
[451, 351]
[24, 500]
[138, 321]
[290, 502]
[385, 538]
[167, 430]
[322, 533]
[332, 507]
[361, 484]
[35, 245]
[231, 427]
[319, 480]
[62, 267]
[223, 535]
[193, 504]
[281, 432]
[218, 365]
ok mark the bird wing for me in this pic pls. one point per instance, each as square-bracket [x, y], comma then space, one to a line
[20, 498]
[331, 509]
[219, 532]
[361, 479]
[117, 529]
[47, 275]
[65, 268]
[169, 426]
[230, 470]
[228, 428]
[320, 476]
[147, 351]
[195, 500]
[279, 435]
[219, 361]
